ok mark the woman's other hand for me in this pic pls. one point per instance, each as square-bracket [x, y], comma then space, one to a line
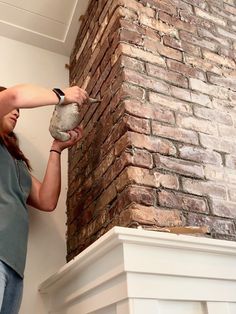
[75, 136]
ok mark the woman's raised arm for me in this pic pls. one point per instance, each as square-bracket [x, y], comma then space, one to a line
[31, 96]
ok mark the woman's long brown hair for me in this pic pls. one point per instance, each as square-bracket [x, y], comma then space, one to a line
[12, 144]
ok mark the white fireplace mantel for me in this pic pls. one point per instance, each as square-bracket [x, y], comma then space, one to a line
[134, 271]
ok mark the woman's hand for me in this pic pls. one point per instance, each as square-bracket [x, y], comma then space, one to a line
[75, 136]
[75, 94]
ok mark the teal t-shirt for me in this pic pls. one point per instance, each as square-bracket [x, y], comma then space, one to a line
[15, 185]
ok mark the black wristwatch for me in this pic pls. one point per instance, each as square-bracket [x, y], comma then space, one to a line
[60, 95]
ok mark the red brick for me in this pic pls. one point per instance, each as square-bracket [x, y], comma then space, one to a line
[185, 69]
[159, 149]
[186, 25]
[149, 111]
[131, 37]
[168, 76]
[135, 175]
[152, 143]
[151, 216]
[137, 125]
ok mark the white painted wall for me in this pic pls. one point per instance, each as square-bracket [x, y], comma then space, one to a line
[21, 63]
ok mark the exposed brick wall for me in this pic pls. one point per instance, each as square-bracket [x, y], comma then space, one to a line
[160, 150]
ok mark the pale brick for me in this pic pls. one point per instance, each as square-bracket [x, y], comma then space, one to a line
[222, 60]
[129, 90]
[137, 53]
[210, 17]
[169, 102]
[175, 133]
[182, 201]
[136, 7]
[228, 82]
[201, 99]
[230, 161]
[223, 13]
[226, 34]
[208, 89]
[217, 144]
[201, 42]
[200, 155]
[215, 225]
[145, 81]
[205, 188]
[181, 93]
[224, 209]
[133, 64]
[158, 25]
[227, 131]
[232, 193]
[214, 173]
[230, 175]
[203, 64]
[99, 34]
[183, 6]
[213, 115]
[214, 36]
[230, 2]
[199, 125]
[190, 96]
[224, 106]
[186, 168]
[158, 47]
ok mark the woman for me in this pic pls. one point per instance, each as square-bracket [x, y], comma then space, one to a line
[19, 188]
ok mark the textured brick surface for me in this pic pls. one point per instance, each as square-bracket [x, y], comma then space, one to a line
[160, 148]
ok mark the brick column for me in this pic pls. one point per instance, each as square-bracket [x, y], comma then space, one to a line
[160, 148]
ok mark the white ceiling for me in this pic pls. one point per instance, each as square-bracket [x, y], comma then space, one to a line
[48, 24]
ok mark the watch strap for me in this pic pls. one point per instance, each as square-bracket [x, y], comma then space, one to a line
[60, 95]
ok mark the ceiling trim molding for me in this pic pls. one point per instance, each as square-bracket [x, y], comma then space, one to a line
[44, 41]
